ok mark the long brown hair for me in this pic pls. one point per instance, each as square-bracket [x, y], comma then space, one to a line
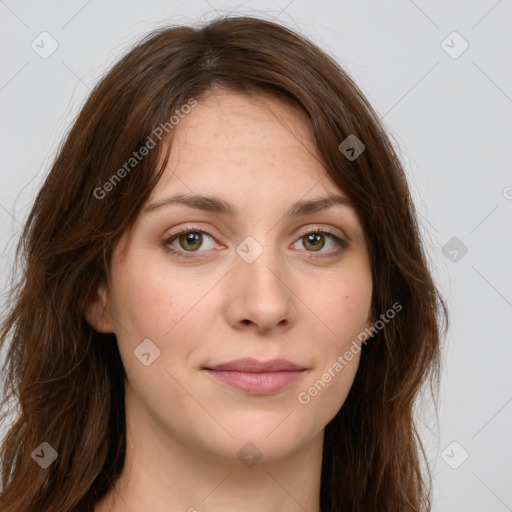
[66, 381]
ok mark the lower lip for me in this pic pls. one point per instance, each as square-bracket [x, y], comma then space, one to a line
[257, 383]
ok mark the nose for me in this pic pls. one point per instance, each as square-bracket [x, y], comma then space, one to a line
[260, 298]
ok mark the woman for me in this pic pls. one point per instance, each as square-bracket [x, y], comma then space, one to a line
[225, 301]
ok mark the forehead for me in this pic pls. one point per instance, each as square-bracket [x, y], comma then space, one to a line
[229, 121]
[239, 138]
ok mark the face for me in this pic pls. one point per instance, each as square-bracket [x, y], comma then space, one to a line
[240, 265]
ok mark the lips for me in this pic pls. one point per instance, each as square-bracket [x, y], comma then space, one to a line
[255, 366]
[257, 377]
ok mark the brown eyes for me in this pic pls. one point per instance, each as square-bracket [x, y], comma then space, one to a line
[189, 240]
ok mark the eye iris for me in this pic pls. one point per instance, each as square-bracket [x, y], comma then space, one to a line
[314, 239]
[193, 238]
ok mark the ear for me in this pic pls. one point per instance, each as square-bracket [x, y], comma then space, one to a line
[97, 312]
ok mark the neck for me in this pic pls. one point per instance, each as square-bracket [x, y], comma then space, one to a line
[163, 474]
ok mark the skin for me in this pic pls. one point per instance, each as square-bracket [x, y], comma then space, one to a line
[185, 428]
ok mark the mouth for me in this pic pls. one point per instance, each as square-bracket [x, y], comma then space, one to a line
[257, 377]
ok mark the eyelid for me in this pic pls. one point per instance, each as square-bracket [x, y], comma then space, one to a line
[301, 232]
[323, 228]
[340, 239]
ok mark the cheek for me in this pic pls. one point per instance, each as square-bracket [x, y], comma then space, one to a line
[344, 312]
[346, 306]
[148, 299]
[143, 305]
[167, 309]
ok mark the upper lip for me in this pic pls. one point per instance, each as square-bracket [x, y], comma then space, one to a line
[254, 366]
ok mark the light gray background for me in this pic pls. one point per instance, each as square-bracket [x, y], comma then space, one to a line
[451, 119]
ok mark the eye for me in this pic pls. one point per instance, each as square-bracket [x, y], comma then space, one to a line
[188, 240]
[315, 241]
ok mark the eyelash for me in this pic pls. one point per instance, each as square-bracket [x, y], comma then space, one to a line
[341, 244]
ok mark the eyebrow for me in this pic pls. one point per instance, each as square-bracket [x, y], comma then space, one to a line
[217, 205]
